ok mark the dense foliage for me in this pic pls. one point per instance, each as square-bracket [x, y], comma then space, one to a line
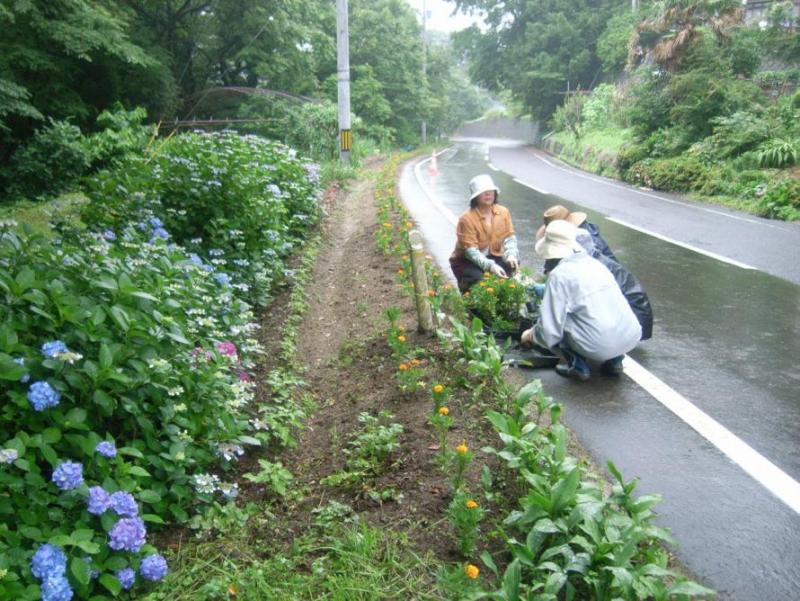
[127, 360]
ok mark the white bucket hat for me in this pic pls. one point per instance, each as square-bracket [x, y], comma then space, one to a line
[559, 240]
[480, 184]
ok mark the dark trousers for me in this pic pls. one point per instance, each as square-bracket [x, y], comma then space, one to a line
[468, 274]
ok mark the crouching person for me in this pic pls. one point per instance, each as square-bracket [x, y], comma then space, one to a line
[583, 314]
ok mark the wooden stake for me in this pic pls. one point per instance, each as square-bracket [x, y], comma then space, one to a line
[420, 277]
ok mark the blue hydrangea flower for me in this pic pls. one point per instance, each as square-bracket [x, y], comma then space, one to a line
[68, 475]
[155, 222]
[106, 449]
[99, 501]
[195, 259]
[48, 561]
[42, 395]
[222, 278]
[160, 232]
[56, 588]
[8, 455]
[128, 534]
[26, 377]
[124, 504]
[154, 567]
[52, 348]
[126, 577]
[109, 235]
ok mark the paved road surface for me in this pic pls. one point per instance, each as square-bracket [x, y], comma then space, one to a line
[727, 336]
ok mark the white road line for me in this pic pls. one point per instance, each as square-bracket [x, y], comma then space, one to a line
[527, 185]
[682, 244]
[775, 480]
[448, 214]
[492, 167]
[656, 196]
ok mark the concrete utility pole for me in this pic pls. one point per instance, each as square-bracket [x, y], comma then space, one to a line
[343, 67]
[634, 5]
[424, 128]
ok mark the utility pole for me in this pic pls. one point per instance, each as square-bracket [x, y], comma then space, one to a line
[424, 128]
[343, 68]
[634, 5]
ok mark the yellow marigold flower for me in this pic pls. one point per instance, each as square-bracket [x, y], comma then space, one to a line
[403, 367]
[447, 287]
[416, 362]
[406, 257]
[466, 293]
[471, 504]
[462, 448]
[401, 271]
[387, 225]
[232, 590]
[482, 284]
[444, 411]
[401, 338]
[490, 291]
[409, 224]
[486, 275]
[438, 389]
[431, 292]
[512, 286]
[471, 571]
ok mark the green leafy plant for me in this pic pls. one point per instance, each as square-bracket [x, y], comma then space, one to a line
[465, 514]
[778, 153]
[497, 301]
[273, 474]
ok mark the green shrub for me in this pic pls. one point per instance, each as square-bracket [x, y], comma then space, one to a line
[120, 133]
[778, 153]
[123, 339]
[52, 161]
[781, 201]
[248, 199]
[676, 174]
[735, 134]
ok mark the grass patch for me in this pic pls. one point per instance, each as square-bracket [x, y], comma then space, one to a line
[352, 563]
[38, 214]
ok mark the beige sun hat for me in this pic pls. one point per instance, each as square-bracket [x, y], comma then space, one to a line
[558, 241]
[560, 212]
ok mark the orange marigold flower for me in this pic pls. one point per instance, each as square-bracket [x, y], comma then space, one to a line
[401, 338]
[462, 448]
[444, 411]
[512, 286]
[416, 362]
[438, 389]
[431, 292]
[490, 291]
[486, 274]
[401, 271]
[232, 590]
[448, 287]
[403, 367]
[471, 504]
[466, 293]
[409, 224]
[471, 571]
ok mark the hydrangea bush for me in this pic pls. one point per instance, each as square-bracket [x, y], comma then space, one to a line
[126, 364]
[241, 203]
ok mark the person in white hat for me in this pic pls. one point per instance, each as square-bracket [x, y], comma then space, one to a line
[485, 239]
[583, 314]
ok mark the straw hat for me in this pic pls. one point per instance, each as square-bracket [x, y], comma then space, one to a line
[558, 241]
[560, 212]
[480, 184]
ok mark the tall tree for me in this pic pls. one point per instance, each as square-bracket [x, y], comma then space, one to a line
[536, 49]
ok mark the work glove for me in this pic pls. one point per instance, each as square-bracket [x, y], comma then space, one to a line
[513, 263]
[527, 337]
[498, 271]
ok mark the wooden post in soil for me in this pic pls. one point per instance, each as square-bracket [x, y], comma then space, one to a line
[420, 277]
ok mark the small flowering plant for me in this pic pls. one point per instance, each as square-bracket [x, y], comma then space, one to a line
[460, 459]
[465, 515]
[497, 301]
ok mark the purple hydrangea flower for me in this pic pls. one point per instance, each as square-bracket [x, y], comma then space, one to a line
[106, 449]
[109, 235]
[222, 278]
[68, 475]
[25, 377]
[8, 455]
[42, 396]
[126, 577]
[154, 567]
[48, 561]
[128, 534]
[124, 504]
[99, 500]
[51, 349]
[56, 588]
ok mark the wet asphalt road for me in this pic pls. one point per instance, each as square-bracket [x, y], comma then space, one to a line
[725, 337]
